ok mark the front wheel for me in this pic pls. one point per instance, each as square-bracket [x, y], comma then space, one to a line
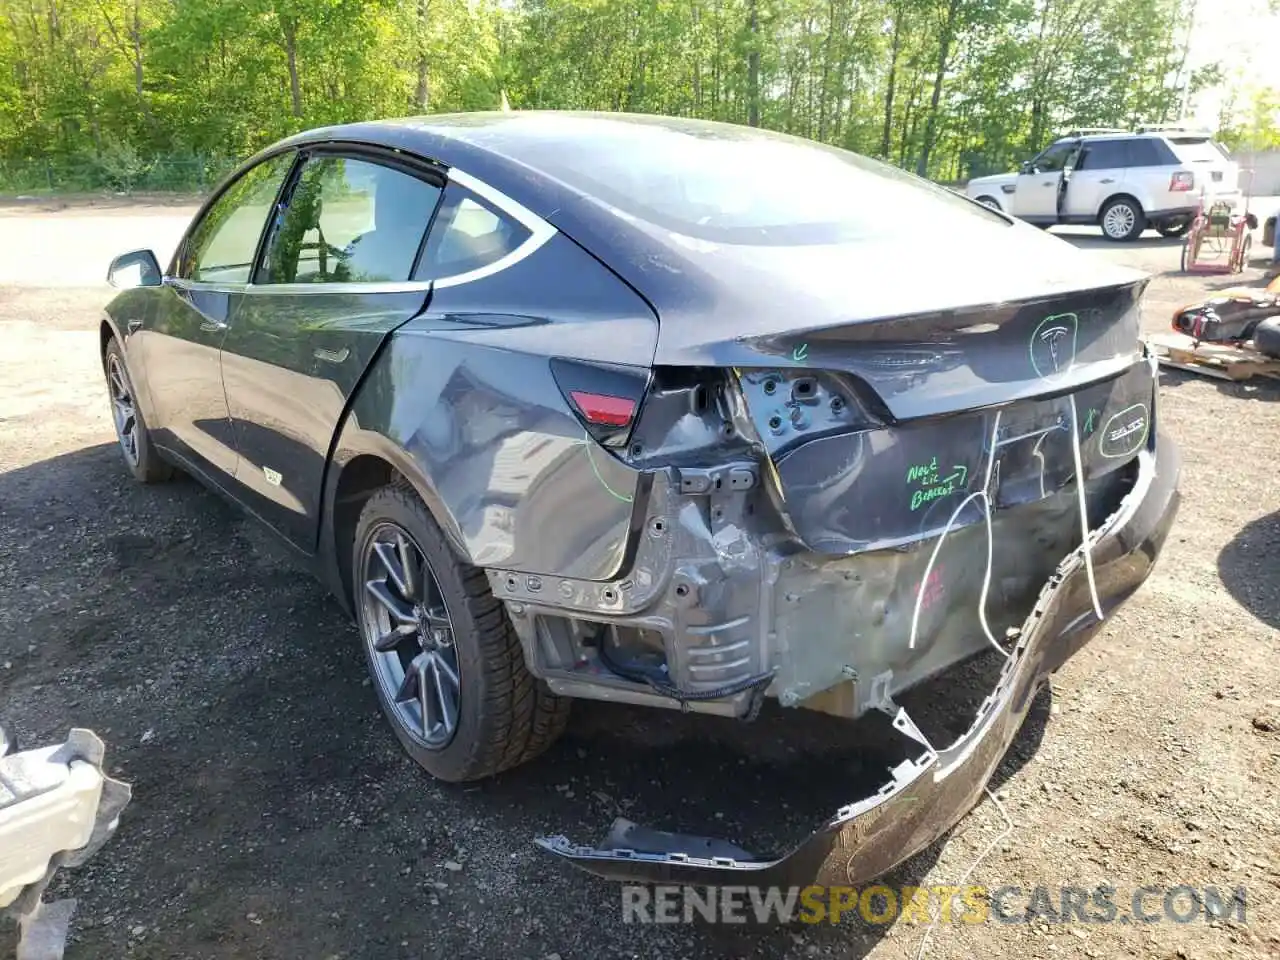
[140, 456]
[1122, 219]
[446, 664]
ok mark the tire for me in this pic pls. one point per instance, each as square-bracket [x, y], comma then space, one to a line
[134, 439]
[1174, 228]
[504, 715]
[1266, 336]
[1122, 219]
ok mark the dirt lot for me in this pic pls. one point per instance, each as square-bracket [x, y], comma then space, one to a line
[274, 815]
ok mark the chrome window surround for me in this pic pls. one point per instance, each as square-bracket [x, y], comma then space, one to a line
[540, 231]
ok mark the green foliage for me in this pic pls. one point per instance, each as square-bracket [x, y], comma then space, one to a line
[1257, 125]
[125, 93]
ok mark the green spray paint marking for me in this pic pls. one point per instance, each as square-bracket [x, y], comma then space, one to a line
[800, 353]
[1091, 421]
[586, 443]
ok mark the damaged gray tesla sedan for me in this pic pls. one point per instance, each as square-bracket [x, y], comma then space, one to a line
[667, 412]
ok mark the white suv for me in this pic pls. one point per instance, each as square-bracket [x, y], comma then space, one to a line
[1123, 182]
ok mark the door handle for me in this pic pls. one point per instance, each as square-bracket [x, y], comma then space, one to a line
[1049, 183]
[1108, 180]
[213, 326]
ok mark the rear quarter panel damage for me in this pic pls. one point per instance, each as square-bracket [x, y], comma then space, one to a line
[463, 401]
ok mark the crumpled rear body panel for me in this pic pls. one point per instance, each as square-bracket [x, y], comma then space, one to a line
[928, 794]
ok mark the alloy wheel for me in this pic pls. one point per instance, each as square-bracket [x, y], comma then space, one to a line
[407, 627]
[1119, 220]
[123, 412]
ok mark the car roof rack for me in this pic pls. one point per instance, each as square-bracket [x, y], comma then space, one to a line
[1089, 132]
[1172, 128]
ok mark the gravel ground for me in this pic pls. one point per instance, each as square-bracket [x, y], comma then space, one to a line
[274, 815]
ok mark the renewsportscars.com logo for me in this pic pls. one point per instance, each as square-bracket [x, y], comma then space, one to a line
[879, 904]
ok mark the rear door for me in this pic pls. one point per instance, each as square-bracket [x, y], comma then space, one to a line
[332, 283]
[1097, 175]
[181, 339]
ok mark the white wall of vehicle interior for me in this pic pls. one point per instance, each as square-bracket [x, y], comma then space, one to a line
[57, 808]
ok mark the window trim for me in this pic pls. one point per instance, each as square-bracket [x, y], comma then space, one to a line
[540, 231]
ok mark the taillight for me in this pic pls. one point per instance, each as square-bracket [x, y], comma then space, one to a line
[604, 396]
[602, 410]
[1182, 181]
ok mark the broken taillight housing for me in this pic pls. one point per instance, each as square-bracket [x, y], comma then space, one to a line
[605, 397]
[1182, 181]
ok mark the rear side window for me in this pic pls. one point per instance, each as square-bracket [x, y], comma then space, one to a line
[1148, 153]
[221, 247]
[1105, 155]
[469, 235]
[349, 221]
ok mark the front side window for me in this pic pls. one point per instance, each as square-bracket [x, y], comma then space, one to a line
[468, 235]
[1054, 159]
[221, 247]
[349, 221]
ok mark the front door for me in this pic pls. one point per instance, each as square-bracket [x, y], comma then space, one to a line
[182, 338]
[1036, 196]
[1097, 174]
[333, 282]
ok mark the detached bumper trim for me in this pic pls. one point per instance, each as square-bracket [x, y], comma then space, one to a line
[928, 795]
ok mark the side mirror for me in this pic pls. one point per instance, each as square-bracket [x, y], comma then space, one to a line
[137, 268]
[1025, 167]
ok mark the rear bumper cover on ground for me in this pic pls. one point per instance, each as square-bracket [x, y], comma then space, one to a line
[928, 795]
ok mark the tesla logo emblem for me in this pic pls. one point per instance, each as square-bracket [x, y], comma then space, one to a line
[1053, 344]
[1054, 336]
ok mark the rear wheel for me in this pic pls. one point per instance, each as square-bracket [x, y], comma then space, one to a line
[989, 202]
[1122, 219]
[447, 666]
[140, 456]
[1175, 227]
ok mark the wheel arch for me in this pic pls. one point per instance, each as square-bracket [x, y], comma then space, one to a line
[106, 333]
[364, 463]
